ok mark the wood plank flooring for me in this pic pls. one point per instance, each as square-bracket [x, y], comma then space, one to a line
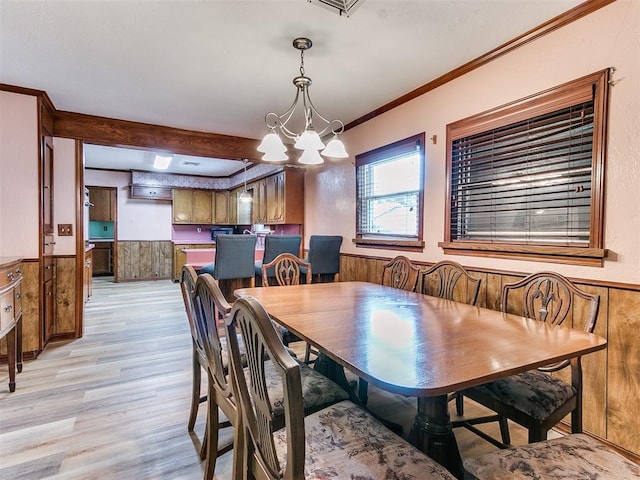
[115, 403]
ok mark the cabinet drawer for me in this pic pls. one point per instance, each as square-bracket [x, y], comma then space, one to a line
[17, 300]
[7, 315]
[10, 274]
[153, 193]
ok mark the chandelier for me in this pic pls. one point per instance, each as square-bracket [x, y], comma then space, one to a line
[309, 140]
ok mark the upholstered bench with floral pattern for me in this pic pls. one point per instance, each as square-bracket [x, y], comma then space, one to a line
[573, 457]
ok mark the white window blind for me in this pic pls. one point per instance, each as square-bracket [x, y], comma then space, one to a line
[389, 190]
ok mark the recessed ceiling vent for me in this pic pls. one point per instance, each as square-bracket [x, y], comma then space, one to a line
[188, 163]
[344, 7]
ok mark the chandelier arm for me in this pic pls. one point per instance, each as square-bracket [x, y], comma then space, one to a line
[335, 131]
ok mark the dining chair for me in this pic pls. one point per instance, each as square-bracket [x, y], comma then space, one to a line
[274, 245]
[234, 260]
[536, 399]
[286, 270]
[324, 257]
[210, 307]
[339, 441]
[400, 273]
[575, 456]
[188, 280]
[449, 280]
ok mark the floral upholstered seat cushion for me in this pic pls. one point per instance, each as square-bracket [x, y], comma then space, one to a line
[343, 441]
[317, 390]
[574, 457]
[535, 393]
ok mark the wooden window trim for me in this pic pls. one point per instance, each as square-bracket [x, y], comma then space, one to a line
[394, 242]
[548, 100]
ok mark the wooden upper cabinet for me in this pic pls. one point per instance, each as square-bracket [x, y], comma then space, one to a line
[102, 200]
[221, 211]
[203, 206]
[149, 192]
[259, 194]
[193, 206]
[285, 198]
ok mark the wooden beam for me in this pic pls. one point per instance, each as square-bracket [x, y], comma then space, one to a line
[112, 132]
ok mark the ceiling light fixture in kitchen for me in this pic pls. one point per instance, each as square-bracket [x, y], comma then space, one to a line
[162, 162]
[245, 196]
[308, 140]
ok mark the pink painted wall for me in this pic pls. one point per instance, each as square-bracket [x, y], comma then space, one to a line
[65, 195]
[137, 219]
[19, 192]
[606, 38]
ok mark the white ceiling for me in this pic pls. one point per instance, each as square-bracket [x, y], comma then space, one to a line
[220, 65]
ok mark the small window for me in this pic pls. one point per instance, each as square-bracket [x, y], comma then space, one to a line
[527, 178]
[389, 186]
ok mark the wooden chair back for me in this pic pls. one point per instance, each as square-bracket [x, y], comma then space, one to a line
[552, 298]
[449, 280]
[285, 269]
[249, 318]
[400, 273]
[188, 280]
[210, 308]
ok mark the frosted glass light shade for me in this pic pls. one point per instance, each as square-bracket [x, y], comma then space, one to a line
[335, 148]
[245, 197]
[275, 157]
[309, 140]
[162, 162]
[271, 143]
[310, 157]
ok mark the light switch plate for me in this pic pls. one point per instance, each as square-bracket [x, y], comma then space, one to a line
[65, 230]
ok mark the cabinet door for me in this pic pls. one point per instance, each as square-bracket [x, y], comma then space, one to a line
[102, 200]
[182, 206]
[203, 206]
[48, 314]
[221, 207]
[47, 184]
[275, 198]
[260, 201]
[233, 206]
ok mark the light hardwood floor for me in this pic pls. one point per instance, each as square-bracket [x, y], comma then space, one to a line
[115, 403]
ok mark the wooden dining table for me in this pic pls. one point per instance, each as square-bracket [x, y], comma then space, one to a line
[419, 346]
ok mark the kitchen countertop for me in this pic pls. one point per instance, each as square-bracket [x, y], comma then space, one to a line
[99, 240]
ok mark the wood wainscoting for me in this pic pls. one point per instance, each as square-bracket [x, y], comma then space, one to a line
[611, 377]
[143, 260]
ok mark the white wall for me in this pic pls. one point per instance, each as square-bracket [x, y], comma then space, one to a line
[19, 190]
[607, 38]
[137, 219]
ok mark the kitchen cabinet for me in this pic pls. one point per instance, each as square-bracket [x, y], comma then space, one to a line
[88, 274]
[147, 192]
[221, 207]
[259, 194]
[233, 206]
[102, 258]
[48, 288]
[103, 204]
[193, 206]
[285, 198]
[180, 258]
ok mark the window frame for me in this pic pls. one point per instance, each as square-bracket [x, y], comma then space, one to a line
[529, 107]
[393, 242]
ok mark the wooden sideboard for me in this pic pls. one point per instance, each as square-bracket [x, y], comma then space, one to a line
[11, 314]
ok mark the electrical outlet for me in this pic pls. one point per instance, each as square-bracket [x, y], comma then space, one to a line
[65, 230]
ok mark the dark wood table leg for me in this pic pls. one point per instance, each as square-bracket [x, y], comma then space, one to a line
[19, 344]
[11, 358]
[433, 434]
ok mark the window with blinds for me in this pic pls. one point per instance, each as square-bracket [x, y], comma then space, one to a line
[530, 173]
[389, 191]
